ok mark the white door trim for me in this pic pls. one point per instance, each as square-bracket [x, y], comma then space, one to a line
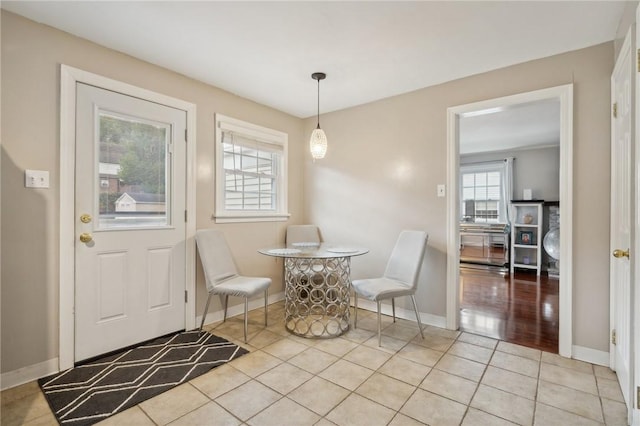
[69, 76]
[565, 95]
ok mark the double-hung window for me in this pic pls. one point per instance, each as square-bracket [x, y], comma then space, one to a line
[484, 189]
[251, 172]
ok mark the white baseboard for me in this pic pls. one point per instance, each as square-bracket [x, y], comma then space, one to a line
[590, 355]
[28, 374]
[408, 314]
[238, 309]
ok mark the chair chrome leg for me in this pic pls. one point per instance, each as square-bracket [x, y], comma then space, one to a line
[204, 314]
[226, 303]
[246, 317]
[415, 307]
[266, 297]
[393, 308]
[355, 305]
[379, 325]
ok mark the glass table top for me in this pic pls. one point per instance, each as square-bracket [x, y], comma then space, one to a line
[314, 250]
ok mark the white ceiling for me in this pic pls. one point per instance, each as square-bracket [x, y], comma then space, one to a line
[266, 51]
[522, 126]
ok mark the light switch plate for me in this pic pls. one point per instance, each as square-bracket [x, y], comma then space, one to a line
[36, 179]
[440, 190]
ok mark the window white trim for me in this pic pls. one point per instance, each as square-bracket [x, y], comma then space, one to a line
[266, 137]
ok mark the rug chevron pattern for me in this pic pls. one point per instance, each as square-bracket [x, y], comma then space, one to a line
[91, 392]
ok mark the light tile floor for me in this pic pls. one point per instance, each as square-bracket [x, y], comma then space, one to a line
[449, 378]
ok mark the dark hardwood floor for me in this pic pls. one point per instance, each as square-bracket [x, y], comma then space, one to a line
[521, 309]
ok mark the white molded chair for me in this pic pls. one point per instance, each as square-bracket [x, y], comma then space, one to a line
[222, 276]
[302, 234]
[400, 277]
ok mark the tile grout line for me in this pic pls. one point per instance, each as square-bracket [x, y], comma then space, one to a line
[210, 400]
[351, 392]
[535, 396]
[416, 387]
[314, 375]
[479, 380]
[376, 371]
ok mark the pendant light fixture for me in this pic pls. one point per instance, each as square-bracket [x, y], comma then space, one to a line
[318, 142]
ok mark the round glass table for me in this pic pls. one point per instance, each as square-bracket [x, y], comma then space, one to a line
[317, 287]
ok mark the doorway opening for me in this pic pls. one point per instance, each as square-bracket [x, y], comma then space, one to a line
[503, 253]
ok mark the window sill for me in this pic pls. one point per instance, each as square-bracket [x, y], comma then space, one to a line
[250, 217]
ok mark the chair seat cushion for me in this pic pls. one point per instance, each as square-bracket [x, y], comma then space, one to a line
[242, 286]
[381, 288]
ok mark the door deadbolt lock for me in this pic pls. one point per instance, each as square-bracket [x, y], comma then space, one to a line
[618, 253]
[85, 218]
[86, 237]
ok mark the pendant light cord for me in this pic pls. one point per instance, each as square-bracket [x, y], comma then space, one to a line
[318, 104]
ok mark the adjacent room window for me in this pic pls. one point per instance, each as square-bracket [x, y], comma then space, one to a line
[251, 172]
[483, 192]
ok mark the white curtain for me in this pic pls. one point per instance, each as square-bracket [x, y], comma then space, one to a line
[507, 187]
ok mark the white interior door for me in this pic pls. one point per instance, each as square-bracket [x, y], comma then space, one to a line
[130, 221]
[622, 134]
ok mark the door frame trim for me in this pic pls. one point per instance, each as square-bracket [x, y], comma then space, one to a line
[564, 94]
[69, 76]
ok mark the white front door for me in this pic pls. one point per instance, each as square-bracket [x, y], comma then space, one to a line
[621, 212]
[130, 220]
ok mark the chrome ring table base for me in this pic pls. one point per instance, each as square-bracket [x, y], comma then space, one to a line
[317, 296]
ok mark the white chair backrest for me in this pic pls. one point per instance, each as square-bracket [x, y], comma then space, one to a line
[406, 257]
[302, 234]
[217, 262]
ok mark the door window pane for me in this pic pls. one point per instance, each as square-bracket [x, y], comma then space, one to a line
[133, 170]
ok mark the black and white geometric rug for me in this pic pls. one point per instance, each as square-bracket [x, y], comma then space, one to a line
[91, 392]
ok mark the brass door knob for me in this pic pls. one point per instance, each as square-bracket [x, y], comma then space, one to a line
[621, 253]
[86, 237]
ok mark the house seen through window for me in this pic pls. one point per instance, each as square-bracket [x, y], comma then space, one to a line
[132, 172]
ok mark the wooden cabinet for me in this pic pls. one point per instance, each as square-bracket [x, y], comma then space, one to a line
[526, 235]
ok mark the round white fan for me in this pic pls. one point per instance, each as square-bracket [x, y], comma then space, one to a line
[551, 244]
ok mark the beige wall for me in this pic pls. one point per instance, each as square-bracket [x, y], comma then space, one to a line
[386, 158]
[31, 58]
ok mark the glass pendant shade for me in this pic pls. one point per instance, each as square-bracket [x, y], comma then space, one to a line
[318, 144]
